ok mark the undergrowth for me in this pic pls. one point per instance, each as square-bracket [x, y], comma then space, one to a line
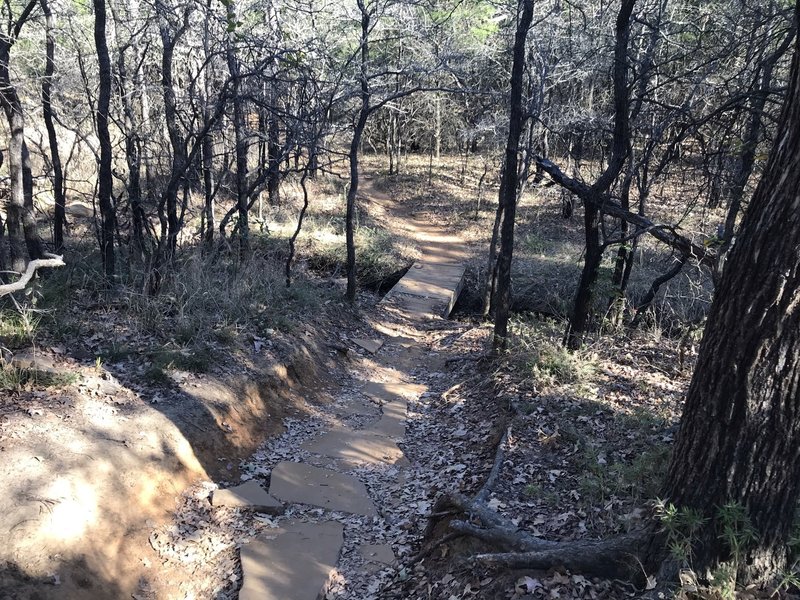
[14, 379]
[537, 348]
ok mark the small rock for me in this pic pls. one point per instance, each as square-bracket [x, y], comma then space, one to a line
[379, 553]
[248, 495]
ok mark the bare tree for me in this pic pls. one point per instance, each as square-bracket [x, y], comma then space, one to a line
[104, 176]
[509, 179]
[21, 223]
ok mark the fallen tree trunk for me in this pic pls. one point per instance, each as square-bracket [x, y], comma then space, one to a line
[33, 266]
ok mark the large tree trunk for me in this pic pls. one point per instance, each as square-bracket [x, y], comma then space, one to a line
[740, 435]
[105, 181]
[508, 183]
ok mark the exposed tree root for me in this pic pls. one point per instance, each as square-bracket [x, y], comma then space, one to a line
[616, 557]
[488, 485]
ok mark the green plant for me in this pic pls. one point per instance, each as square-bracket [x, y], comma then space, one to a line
[117, 352]
[537, 345]
[226, 334]
[681, 526]
[196, 358]
[794, 540]
[554, 364]
[642, 477]
[19, 327]
[788, 579]
[738, 534]
[533, 244]
[156, 375]
[534, 491]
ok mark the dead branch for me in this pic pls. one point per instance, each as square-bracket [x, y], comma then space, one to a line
[606, 204]
[40, 263]
[612, 557]
[618, 556]
[499, 457]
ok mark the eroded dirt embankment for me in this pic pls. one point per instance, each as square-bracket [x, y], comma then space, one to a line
[90, 468]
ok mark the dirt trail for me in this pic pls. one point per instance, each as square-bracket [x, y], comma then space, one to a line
[356, 478]
[94, 474]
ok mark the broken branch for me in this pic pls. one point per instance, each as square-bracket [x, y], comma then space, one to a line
[40, 263]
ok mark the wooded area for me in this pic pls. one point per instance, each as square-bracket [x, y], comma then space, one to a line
[668, 130]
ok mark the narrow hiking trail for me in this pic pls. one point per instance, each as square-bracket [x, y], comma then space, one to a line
[337, 505]
[353, 496]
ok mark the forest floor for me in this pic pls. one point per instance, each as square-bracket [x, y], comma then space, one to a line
[113, 441]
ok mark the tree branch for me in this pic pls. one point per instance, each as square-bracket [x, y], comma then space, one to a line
[607, 205]
[33, 266]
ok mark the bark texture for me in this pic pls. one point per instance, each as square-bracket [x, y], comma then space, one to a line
[104, 175]
[20, 222]
[740, 435]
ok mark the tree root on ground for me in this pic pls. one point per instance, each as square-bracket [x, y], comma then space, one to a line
[613, 558]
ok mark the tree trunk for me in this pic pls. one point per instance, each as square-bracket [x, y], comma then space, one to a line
[133, 160]
[29, 227]
[508, 183]
[437, 126]
[47, 111]
[168, 204]
[491, 268]
[740, 435]
[579, 319]
[576, 328]
[207, 151]
[105, 181]
[241, 141]
[274, 155]
[624, 260]
[355, 143]
[20, 221]
[3, 265]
